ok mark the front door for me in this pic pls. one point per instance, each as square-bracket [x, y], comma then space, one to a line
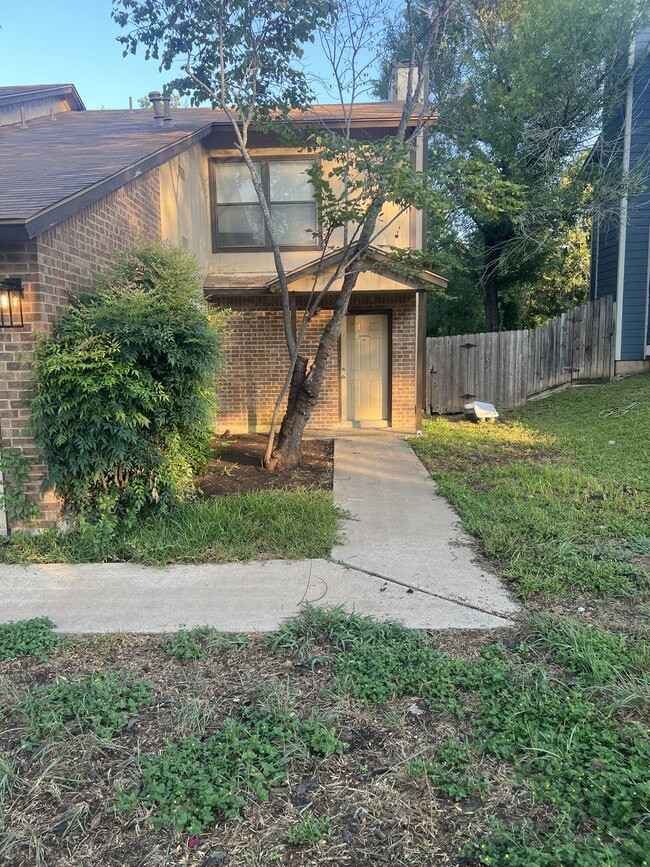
[364, 368]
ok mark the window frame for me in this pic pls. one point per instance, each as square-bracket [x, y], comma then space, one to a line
[214, 162]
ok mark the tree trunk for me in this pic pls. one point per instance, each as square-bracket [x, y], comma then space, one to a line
[493, 246]
[300, 403]
[491, 302]
[305, 386]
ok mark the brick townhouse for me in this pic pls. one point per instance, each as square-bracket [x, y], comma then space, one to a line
[79, 186]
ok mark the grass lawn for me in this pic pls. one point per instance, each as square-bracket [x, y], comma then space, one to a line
[260, 525]
[339, 740]
[559, 496]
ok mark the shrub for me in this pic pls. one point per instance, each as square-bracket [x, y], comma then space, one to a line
[14, 469]
[123, 390]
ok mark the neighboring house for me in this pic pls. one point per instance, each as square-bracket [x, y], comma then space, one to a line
[78, 186]
[620, 251]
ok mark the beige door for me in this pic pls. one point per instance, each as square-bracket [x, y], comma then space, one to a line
[364, 367]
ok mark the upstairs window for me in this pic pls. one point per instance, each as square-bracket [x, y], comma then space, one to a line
[237, 220]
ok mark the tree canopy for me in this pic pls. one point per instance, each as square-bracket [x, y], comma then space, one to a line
[521, 87]
[245, 58]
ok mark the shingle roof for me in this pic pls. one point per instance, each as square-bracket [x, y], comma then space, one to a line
[23, 92]
[51, 161]
[52, 168]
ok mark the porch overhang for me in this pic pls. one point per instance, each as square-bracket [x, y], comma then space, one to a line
[316, 273]
[379, 276]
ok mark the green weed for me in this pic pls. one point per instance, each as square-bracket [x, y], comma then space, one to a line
[329, 628]
[523, 845]
[380, 659]
[616, 664]
[27, 637]
[265, 524]
[194, 716]
[585, 769]
[402, 664]
[310, 831]
[290, 525]
[556, 506]
[103, 703]
[571, 757]
[196, 644]
[9, 783]
[454, 771]
[577, 419]
[194, 780]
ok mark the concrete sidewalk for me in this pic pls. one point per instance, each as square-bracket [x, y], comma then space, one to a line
[403, 531]
[404, 557]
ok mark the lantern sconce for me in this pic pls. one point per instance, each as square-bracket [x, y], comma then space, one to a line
[11, 304]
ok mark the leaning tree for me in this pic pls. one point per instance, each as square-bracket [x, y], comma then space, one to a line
[247, 60]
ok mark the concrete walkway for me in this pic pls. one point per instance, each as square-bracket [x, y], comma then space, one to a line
[404, 557]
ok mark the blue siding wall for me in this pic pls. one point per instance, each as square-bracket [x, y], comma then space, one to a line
[604, 258]
[635, 303]
[605, 231]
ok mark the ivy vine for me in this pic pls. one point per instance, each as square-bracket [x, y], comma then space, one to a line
[15, 469]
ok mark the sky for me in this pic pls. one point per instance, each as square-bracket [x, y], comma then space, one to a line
[74, 41]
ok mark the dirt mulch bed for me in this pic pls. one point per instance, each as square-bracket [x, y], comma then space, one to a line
[237, 467]
[61, 802]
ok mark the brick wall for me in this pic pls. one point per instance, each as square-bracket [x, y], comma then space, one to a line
[64, 259]
[257, 361]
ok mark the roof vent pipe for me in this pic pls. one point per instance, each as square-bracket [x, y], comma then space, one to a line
[167, 114]
[156, 100]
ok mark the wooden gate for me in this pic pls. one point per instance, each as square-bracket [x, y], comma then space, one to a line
[506, 368]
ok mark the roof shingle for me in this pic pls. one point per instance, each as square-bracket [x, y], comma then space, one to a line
[80, 153]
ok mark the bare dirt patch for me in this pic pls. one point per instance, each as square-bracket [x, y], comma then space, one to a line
[237, 467]
[629, 615]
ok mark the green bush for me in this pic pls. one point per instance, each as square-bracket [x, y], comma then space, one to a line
[14, 468]
[123, 390]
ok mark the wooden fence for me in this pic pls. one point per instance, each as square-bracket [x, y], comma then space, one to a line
[506, 368]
